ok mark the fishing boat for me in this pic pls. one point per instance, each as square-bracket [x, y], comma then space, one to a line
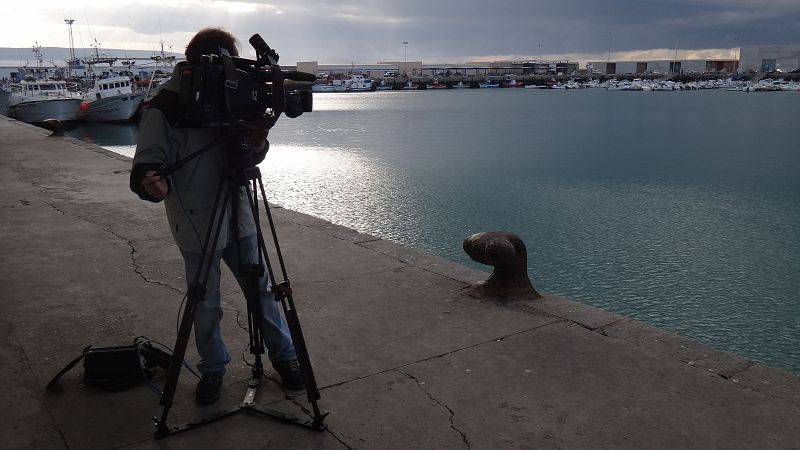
[34, 101]
[110, 100]
[36, 98]
[489, 84]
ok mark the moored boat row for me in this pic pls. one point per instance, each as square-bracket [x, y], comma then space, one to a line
[613, 84]
[106, 96]
[34, 101]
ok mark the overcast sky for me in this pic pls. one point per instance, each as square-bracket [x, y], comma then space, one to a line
[362, 31]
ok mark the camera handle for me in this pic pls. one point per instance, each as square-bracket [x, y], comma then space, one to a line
[177, 165]
[171, 168]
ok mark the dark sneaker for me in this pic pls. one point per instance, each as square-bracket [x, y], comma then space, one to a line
[208, 388]
[290, 374]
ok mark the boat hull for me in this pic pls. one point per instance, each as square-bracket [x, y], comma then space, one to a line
[63, 109]
[117, 108]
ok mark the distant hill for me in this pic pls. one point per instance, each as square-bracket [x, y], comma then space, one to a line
[59, 55]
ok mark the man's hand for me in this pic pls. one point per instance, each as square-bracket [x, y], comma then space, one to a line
[155, 185]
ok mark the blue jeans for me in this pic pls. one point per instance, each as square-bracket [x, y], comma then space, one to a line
[213, 353]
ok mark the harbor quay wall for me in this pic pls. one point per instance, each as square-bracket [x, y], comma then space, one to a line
[403, 355]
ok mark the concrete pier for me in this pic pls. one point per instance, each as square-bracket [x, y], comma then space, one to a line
[403, 357]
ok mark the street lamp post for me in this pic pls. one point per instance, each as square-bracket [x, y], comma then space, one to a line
[539, 55]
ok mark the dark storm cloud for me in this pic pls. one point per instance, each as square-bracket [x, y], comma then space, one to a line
[455, 30]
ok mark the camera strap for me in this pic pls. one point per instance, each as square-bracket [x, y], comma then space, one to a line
[231, 85]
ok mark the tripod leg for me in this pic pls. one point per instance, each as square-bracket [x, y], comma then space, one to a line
[196, 294]
[248, 271]
[283, 294]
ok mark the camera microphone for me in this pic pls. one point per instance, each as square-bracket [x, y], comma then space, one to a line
[294, 75]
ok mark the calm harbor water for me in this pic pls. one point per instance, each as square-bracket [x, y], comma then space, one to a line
[680, 209]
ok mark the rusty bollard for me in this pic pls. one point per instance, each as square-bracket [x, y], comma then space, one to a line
[55, 126]
[507, 254]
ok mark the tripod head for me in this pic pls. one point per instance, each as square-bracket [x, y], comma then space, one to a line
[241, 151]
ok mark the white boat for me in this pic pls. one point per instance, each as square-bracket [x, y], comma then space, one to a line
[357, 83]
[34, 101]
[592, 84]
[110, 100]
[460, 85]
[409, 86]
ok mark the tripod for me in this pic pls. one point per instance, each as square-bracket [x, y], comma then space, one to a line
[241, 173]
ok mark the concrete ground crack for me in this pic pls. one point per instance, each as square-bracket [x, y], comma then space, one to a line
[442, 355]
[130, 243]
[135, 263]
[421, 386]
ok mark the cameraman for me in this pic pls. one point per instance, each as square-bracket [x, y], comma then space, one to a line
[189, 196]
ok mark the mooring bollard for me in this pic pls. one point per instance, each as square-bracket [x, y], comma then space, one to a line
[55, 126]
[507, 254]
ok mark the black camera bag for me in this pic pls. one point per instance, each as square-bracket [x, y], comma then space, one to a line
[116, 368]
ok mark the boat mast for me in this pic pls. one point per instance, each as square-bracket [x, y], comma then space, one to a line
[37, 53]
[69, 23]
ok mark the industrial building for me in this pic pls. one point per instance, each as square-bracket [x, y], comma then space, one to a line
[661, 67]
[772, 58]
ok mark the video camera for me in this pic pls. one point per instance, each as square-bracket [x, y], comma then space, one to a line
[229, 91]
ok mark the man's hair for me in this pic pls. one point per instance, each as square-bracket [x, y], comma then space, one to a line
[208, 41]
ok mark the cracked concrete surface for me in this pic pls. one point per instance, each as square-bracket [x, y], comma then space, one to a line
[402, 356]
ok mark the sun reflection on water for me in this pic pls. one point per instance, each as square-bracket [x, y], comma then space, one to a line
[336, 183]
